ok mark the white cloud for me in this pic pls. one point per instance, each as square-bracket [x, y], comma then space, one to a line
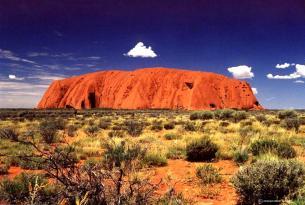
[300, 69]
[48, 77]
[299, 73]
[36, 54]
[94, 57]
[241, 72]
[294, 75]
[299, 81]
[254, 90]
[14, 77]
[282, 66]
[9, 55]
[140, 50]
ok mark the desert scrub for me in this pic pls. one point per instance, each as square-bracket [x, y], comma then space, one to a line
[21, 189]
[4, 167]
[202, 149]
[269, 180]
[9, 133]
[208, 174]
[287, 114]
[291, 123]
[48, 131]
[71, 130]
[176, 151]
[281, 149]
[104, 124]
[225, 114]
[169, 125]
[155, 158]
[157, 125]
[172, 136]
[239, 115]
[123, 155]
[240, 156]
[116, 133]
[203, 115]
[190, 126]
[92, 130]
[134, 128]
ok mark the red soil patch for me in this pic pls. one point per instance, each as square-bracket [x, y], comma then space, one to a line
[184, 180]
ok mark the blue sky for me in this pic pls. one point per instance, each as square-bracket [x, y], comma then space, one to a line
[41, 41]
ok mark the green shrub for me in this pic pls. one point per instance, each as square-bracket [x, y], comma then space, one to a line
[190, 126]
[155, 159]
[224, 124]
[202, 149]
[246, 123]
[176, 152]
[32, 163]
[71, 129]
[116, 133]
[208, 174]
[104, 124]
[18, 190]
[48, 131]
[195, 116]
[261, 118]
[134, 128]
[287, 114]
[172, 136]
[202, 115]
[4, 169]
[269, 180]
[225, 114]
[92, 130]
[283, 150]
[122, 155]
[241, 156]
[156, 126]
[172, 198]
[169, 125]
[239, 115]
[291, 123]
[9, 133]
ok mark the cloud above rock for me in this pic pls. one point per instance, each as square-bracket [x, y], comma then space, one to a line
[241, 72]
[140, 50]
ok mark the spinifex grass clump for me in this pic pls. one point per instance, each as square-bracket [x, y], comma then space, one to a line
[202, 149]
[48, 130]
[208, 174]
[28, 189]
[281, 149]
[134, 128]
[269, 180]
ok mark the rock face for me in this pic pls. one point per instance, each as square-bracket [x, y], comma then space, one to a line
[150, 88]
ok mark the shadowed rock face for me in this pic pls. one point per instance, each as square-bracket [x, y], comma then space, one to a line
[150, 88]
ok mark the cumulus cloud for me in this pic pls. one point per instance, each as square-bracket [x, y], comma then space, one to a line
[299, 81]
[254, 90]
[14, 77]
[282, 66]
[140, 50]
[241, 72]
[294, 75]
[300, 69]
[299, 73]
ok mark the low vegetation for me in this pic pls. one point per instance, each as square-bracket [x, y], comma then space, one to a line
[141, 156]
